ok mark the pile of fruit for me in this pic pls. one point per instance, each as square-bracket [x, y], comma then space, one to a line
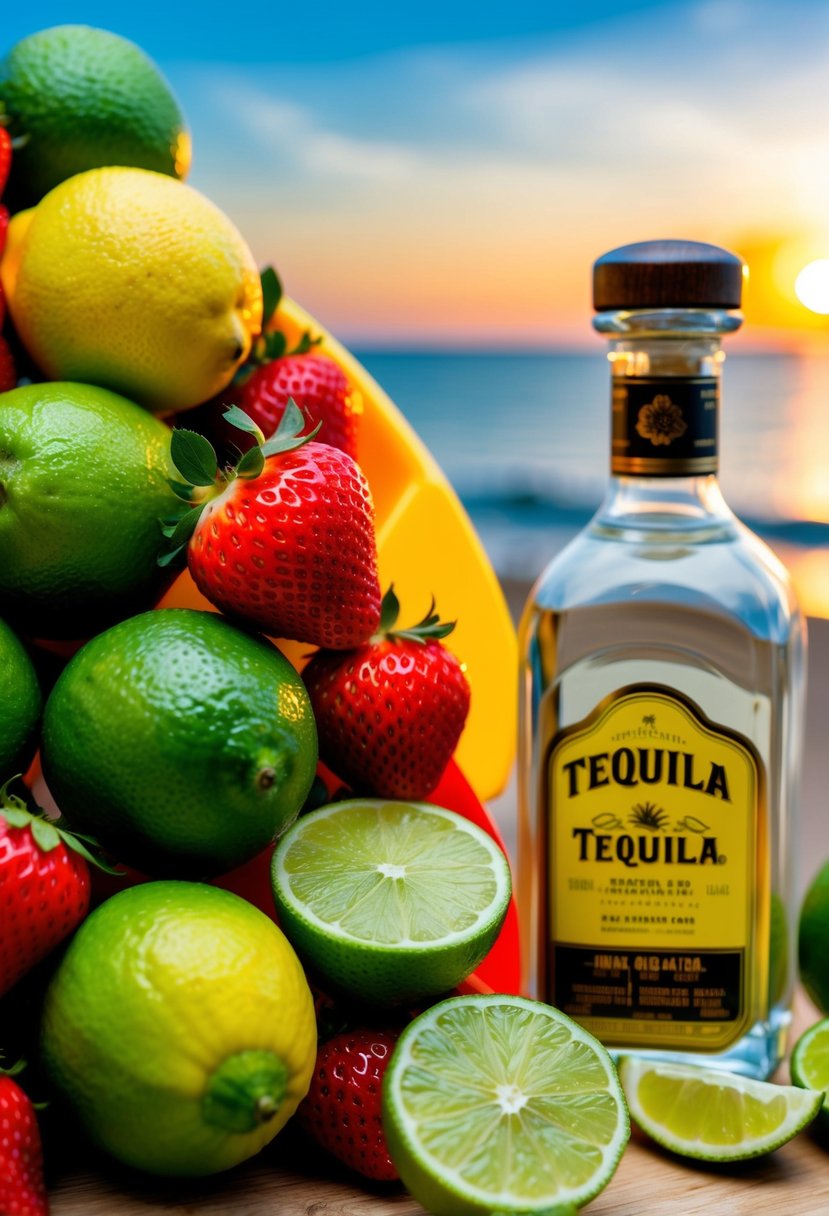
[244, 901]
[250, 897]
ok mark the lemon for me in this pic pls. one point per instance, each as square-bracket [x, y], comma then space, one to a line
[20, 705]
[810, 1064]
[497, 1104]
[391, 901]
[814, 940]
[83, 485]
[184, 744]
[713, 1115]
[77, 98]
[136, 282]
[180, 1028]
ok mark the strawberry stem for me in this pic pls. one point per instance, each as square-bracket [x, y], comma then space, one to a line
[49, 833]
[430, 629]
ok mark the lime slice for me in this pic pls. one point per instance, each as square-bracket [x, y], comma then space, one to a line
[713, 1115]
[390, 901]
[500, 1104]
[810, 1063]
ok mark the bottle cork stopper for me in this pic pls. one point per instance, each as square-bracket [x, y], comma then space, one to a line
[667, 274]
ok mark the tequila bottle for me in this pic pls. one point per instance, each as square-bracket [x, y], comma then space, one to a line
[662, 692]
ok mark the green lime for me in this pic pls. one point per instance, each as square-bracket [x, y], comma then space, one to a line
[713, 1115]
[83, 485]
[500, 1104]
[391, 901]
[180, 1028]
[810, 1064]
[813, 942]
[184, 744]
[79, 98]
[20, 705]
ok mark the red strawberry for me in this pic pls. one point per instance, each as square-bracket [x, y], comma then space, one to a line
[5, 157]
[22, 1189]
[389, 713]
[4, 226]
[44, 887]
[315, 382]
[285, 541]
[342, 1110]
[8, 374]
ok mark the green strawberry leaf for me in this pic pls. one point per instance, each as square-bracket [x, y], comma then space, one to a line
[194, 457]
[274, 346]
[45, 834]
[171, 557]
[242, 422]
[271, 294]
[252, 463]
[389, 610]
[186, 526]
[288, 435]
[180, 489]
[306, 343]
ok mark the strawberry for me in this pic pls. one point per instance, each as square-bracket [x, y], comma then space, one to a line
[271, 375]
[44, 886]
[390, 712]
[22, 1189]
[8, 374]
[342, 1110]
[285, 540]
[5, 156]
[4, 226]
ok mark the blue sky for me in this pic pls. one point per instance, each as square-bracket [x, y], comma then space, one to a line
[448, 172]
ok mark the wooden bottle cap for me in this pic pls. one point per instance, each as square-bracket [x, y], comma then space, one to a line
[667, 274]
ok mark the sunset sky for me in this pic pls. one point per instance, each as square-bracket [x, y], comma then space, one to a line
[446, 174]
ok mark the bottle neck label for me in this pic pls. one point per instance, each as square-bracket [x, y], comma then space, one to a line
[664, 426]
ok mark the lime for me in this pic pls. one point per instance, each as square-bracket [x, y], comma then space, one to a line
[184, 744]
[78, 98]
[165, 295]
[500, 1104]
[814, 940]
[390, 901]
[180, 1028]
[713, 1115]
[20, 705]
[83, 484]
[810, 1063]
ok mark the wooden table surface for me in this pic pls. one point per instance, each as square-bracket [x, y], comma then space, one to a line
[288, 1180]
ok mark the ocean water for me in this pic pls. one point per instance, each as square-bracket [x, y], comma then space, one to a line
[524, 439]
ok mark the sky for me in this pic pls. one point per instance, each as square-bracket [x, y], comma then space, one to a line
[445, 174]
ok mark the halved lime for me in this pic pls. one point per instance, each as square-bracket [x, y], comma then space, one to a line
[501, 1104]
[713, 1115]
[390, 901]
[810, 1063]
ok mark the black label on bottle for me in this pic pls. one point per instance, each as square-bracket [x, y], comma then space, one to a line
[665, 427]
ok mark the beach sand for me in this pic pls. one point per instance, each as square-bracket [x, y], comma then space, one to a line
[812, 833]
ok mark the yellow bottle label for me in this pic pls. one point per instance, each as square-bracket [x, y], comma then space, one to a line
[656, 855]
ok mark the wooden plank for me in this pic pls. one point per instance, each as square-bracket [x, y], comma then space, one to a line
[292, 1181]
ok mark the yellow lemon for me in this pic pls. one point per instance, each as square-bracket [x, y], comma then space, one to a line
[180, 1028]
[136, 282]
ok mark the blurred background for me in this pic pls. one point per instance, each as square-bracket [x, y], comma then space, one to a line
[433, 182]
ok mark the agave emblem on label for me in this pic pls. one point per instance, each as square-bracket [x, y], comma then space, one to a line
[661, 421]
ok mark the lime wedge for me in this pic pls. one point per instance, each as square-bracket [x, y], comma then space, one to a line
[713, 1115]
[810, 1063]
[390, 901]
[500, 1104]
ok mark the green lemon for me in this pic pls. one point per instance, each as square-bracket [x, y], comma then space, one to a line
[183, 743]
[79, 98]
[390, 901]
[83, 485]
[713, 1115]
[813, 942]
[810, 1064]
[180, 1028]
[497, 1104]
[20, 705]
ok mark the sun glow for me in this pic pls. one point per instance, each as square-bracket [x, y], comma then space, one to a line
[812, 286]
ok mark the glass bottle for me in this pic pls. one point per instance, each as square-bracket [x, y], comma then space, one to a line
[662, 689]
